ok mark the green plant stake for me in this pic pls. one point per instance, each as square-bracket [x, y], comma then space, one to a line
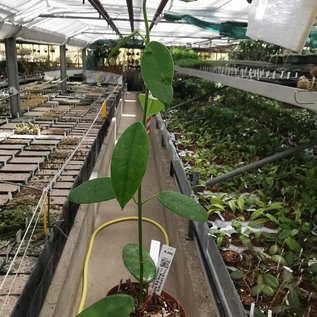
[128, 166]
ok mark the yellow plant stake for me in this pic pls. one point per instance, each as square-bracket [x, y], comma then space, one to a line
[104, 110]
[45, 214]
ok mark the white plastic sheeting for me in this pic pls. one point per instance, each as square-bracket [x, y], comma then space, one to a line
[285, 23]
[76, 22]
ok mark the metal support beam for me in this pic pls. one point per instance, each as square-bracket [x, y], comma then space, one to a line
[262, 162]
[84, 61]
[13, 76]
[84, 58]
[131, 15]
[101, 10]
[63, 67]
[158, 12]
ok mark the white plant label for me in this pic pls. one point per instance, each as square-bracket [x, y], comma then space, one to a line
[163, 264]
[155, 251]
[252, 310]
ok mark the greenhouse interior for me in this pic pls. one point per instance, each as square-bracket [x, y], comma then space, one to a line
[158, 158]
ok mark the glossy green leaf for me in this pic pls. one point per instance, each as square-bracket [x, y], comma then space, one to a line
[111, 306]
[130, 255]
[154, 105]
[129, 161]
[183, 206]
[268, 291]
[157, 71]
[293, 244]
[93, 191]
[271, 280]
[257, 289]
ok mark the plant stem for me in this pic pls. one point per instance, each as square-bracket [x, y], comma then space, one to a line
[139, 202]
[146, 22]
[141, 297]
[148, 199]
[140, 205]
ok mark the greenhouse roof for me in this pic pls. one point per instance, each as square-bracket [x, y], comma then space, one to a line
[80, 23]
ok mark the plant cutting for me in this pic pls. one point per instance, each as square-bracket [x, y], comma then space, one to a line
[128, 166]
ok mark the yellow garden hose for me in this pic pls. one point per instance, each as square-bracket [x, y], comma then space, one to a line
[91, 243]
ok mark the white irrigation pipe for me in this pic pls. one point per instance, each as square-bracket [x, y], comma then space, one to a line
[45, 191]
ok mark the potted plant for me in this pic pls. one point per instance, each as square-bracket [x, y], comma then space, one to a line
[128, 166]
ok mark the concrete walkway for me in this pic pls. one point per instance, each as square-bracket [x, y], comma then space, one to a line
[186, 281]
[106, 268]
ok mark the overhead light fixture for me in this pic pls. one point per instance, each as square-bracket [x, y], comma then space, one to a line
[284, 23]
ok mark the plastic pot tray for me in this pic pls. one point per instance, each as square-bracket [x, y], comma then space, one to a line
[227, 297]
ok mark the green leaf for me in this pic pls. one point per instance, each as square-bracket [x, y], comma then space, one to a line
[256, 214]
[293, 244]
[283, 234]
[268, 291]
[274, 206]
[241, 203]
[130, 255]
[257, 289]
[93, 191]
[232, 205]
[219, 207]
[129, 161]
[111, 306]
[313, 268]
[293, 300]
[154, 105]
[271, 280]
[258, 222]
[287, 275]
[272, 218]
[278, 259]
[183, 206]
[157, 71]
[236, 275]
[123, 42]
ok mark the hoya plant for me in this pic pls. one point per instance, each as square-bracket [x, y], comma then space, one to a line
[128, 166]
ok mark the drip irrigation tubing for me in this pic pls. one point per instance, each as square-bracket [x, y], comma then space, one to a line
[262, 162]
[91, 243]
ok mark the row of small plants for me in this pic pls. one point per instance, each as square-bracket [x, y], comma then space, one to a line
[264, 221]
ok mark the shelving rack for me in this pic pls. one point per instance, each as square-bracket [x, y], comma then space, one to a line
[232, 77]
